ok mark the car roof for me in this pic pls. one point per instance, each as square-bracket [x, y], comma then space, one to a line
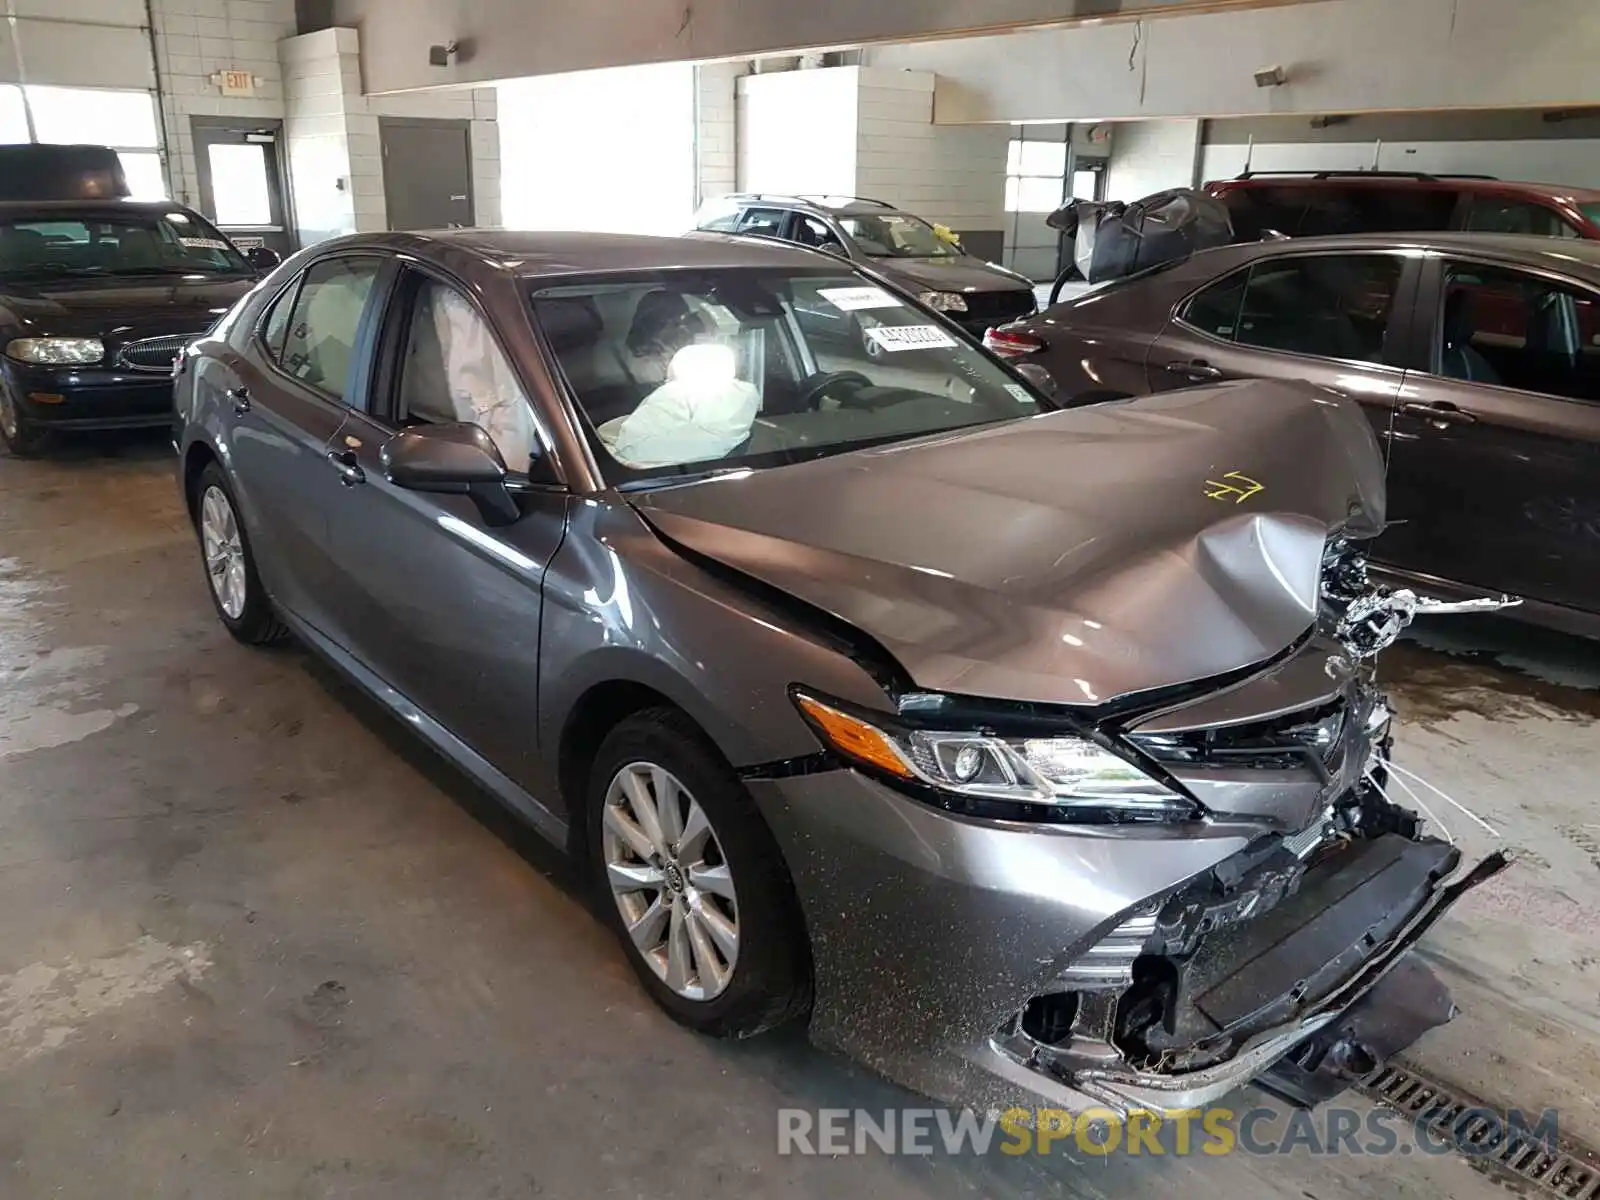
[547, 254]
[1556, 253]
[837, 206]
[1472, 183]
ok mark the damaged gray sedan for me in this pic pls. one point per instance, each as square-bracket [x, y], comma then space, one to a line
[1028, 753]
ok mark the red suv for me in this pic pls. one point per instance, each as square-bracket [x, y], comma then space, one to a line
[1312, 204]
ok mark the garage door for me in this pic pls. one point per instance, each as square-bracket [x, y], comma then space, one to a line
[82, 71]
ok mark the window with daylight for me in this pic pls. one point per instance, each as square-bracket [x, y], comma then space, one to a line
[123, 120]
[1035, 176]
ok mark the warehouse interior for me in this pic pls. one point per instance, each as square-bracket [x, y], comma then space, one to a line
[258, 940]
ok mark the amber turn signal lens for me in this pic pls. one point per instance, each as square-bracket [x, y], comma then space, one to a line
[854, 738]
[47, 397]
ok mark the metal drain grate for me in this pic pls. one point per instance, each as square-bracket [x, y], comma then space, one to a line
[1570, 1172]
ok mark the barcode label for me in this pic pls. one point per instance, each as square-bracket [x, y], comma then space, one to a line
[895, 338]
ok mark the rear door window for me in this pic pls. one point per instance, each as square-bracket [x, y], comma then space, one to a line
[1323, 305]
[1215, 311]
[319, 347]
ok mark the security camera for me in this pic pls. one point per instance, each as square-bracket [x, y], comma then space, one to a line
[1271, 77]
[440, 56]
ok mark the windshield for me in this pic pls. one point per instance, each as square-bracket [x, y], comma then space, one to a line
[118, 244]
[679, 373]
[896, 235]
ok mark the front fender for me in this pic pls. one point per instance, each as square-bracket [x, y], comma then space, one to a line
[622, 606]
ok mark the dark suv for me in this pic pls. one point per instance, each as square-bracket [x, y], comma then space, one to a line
[1318, 203]
[906, 250]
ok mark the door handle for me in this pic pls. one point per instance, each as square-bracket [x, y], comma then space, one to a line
[1441, 415]
[241, 400]
[1198, 369]
[350, 472]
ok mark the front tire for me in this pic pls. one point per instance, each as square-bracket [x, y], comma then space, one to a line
[21, 436]
[691, 881]
[240, 600]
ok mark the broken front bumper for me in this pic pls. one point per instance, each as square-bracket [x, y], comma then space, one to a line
[930, 932]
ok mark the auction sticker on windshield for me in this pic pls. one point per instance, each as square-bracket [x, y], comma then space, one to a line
[895, 338]
[857, 299]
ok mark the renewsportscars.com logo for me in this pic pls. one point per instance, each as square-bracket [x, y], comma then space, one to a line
[1101, 1133]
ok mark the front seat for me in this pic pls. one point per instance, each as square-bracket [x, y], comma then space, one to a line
[1460, 359]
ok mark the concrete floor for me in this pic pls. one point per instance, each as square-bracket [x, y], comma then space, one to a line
[254, 942]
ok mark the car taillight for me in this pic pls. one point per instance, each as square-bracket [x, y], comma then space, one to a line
[1011, 343]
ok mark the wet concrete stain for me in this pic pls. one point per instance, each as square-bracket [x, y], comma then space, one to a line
[45, 1005]
[1430, 686]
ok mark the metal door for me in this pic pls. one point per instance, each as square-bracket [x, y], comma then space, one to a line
[427, 173]
[240, 165]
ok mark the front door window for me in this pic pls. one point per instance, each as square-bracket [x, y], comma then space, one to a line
[1511, 329]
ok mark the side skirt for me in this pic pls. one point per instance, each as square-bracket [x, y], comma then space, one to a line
[463, 757]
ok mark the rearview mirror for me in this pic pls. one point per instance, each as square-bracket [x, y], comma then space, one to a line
[263, 259]
[459, 460]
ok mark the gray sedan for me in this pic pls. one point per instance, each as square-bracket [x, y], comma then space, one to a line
[1026, 752]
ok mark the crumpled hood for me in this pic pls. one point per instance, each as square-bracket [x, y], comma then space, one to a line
[1071, 558]
[958, 273]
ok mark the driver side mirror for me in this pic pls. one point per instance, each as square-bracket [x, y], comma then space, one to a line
[263, 259]
[456, 460]
[834, 249]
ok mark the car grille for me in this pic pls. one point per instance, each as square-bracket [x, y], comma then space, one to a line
[156, 354]
[1312, 737]
[995, 308]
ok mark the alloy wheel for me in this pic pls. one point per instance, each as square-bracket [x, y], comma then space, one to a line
[224, 551]
[670, 881]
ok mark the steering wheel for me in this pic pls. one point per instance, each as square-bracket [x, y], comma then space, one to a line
[817, 387]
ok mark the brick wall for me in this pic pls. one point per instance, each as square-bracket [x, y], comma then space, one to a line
[193, 40]
[716, 129]
[332, 135]
[951, 174]
[1150, 156]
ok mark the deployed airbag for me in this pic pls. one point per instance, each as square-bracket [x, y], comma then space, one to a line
[701, 413]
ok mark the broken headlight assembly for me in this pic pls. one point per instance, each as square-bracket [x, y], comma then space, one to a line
[1058, 777]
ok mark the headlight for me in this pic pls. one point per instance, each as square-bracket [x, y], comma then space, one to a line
[57, 351]
[944, 301]
[1072, 777]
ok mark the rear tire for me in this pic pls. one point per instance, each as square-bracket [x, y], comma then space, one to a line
[697, 890]
[241, 602]
[21, 436]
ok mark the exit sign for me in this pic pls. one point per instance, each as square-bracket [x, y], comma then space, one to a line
[235, 83]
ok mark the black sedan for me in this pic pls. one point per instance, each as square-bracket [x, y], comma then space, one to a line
[97, 298]
[1476, 358]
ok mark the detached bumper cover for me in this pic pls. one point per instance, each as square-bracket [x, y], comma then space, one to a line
[930, 932]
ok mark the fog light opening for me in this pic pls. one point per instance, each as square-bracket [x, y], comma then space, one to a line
[1049, 1018]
